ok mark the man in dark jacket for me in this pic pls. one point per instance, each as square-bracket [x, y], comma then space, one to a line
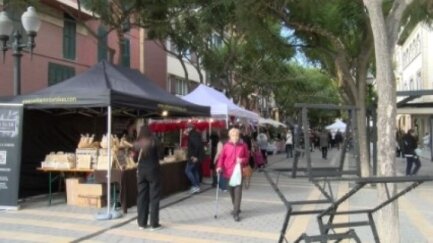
[324, 143]
[410, 145]
[194, 156]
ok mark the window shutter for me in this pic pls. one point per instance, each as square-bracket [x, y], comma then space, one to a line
[58, 73]
[102, 43]
[126, 55]
[69, 38]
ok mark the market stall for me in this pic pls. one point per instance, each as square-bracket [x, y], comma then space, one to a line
[57, 118]
[223, 114]
[221, 107]
[271, 122]
[338, 125]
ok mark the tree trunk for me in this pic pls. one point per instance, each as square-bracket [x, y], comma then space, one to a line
[185, 70]
[388, 220]
[362, 137]
[120, 50]
[199, 69]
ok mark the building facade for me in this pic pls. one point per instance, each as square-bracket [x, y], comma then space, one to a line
[414, 72]
[68, 44]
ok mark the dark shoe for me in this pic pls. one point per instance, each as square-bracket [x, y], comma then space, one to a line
[156, 227]
[236, 218]
[233, 212]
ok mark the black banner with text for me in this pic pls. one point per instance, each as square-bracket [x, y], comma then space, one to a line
[11, 118]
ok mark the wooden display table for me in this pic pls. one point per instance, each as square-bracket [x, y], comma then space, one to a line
[61, 176]
[173, 180]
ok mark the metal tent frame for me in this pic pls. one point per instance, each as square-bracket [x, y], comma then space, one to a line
[322, 178]
[323, 171]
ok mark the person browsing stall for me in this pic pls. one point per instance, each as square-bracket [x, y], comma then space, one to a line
[148, 179]
[234, 152]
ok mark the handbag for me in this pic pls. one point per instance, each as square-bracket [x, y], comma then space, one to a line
[247, 171]
[236, 178]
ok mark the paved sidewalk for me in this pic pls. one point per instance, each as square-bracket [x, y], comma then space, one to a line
[192, 218]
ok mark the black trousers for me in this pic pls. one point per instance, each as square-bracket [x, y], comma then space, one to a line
[289, 150]
[236, 196]
[324, 152]
[149, 194]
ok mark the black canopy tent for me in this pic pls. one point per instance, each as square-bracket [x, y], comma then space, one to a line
[82, 103]
[106, 85]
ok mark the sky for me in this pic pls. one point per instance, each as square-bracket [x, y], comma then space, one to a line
[299, 57]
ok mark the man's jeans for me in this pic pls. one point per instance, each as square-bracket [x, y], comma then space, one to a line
[410, 161]
[191, 171]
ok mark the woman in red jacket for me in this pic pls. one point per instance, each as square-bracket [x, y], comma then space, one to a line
[234, 152]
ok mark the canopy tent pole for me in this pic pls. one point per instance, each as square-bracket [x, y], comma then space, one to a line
[227, 121]
[210, 120]
[109, 160]
[111, 213]
[180, 138]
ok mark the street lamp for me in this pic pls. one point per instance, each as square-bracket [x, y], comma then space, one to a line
[31, 24]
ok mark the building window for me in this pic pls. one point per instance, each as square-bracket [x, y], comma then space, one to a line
[178, 86]
[102, 43]
[126, 53]
[58, 73]
[69, 37]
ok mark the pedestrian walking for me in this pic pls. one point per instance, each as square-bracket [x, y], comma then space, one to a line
[195, 154]
[289, 144]
[324, 143]
[234, 153]
[338, 139]
[262, 142]
[311, 139]
[410, 149]
[148, 179]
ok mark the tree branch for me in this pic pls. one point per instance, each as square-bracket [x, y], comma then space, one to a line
[393, 21]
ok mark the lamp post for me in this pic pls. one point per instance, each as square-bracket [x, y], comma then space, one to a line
[31, 24]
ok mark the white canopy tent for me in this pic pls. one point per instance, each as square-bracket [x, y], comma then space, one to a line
[338, 125]
[221, 106]
[265, 121]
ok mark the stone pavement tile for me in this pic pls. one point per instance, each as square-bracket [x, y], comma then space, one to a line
[192, 220]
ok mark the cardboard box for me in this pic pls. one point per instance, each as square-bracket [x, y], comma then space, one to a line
[72, 190]
[91, 189]
[84, 161]
[91, 201]
[91, 195]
